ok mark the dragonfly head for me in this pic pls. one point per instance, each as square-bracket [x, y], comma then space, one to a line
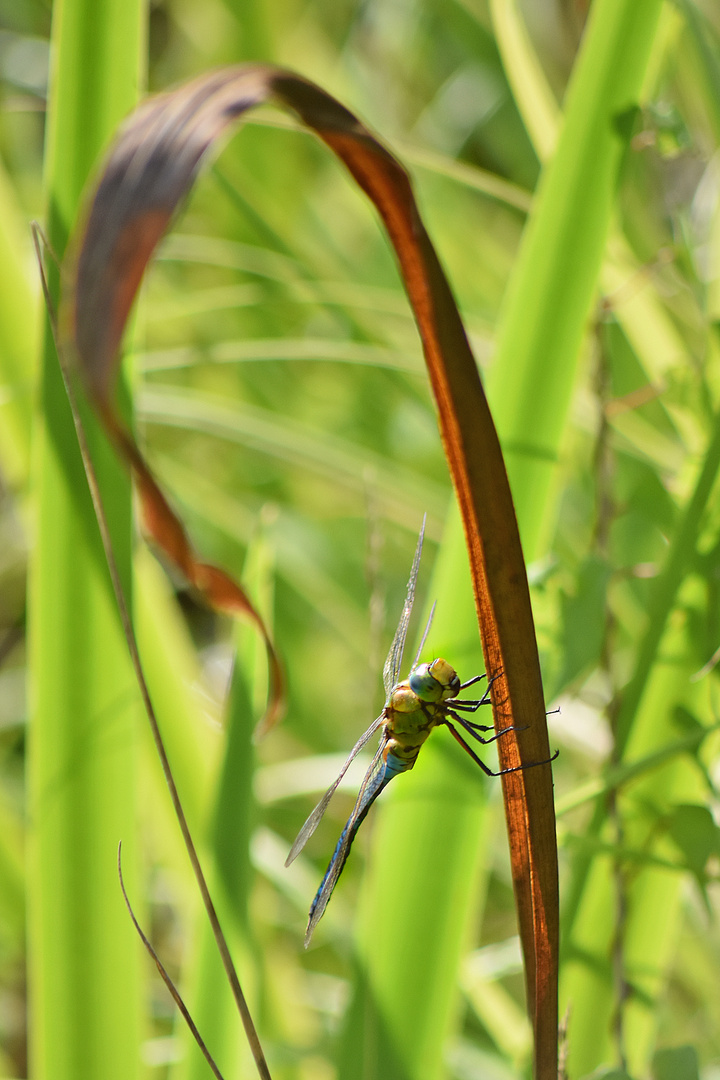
[434, 682]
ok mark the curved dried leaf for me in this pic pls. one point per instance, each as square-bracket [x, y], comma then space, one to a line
[150, 169]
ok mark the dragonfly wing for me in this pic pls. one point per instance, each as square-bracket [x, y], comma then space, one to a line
[314, 820]
[426, 631]
[376, 778]
[391, 669]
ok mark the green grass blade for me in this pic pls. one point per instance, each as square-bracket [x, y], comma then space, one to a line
[233, 818]
[533, 96]
[643, 727]
[647, 325]
[84, 962]
[18, 347]
[643, 937]
[551, 289]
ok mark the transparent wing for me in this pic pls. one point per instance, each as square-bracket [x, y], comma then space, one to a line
[314, 820]
[391, 669]
[376, 778]
[426, 631]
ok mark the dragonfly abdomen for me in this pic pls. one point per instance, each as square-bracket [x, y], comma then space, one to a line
[392, 766]
[401, 753]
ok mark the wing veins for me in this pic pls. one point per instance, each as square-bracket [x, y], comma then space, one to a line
[316, 816]
[391, 670]
[340, 857]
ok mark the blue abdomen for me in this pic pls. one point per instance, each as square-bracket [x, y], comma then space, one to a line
[390, 768]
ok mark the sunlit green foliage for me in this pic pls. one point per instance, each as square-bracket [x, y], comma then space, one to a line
[280, 391]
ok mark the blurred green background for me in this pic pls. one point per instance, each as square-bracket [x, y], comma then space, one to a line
[280, 392]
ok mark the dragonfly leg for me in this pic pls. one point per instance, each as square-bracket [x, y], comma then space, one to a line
[469, 706]
[486, 768]
[477, 678]
[468, 724]
[473, 706]
[475, 729]
[458, 737]
[530, 764]
[471, 682]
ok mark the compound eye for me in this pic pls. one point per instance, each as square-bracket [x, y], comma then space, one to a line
[424, 684]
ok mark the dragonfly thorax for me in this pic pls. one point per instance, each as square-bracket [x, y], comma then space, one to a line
[403, 700]
[434, 682]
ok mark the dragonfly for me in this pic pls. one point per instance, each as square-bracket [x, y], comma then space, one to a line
[427, 699]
